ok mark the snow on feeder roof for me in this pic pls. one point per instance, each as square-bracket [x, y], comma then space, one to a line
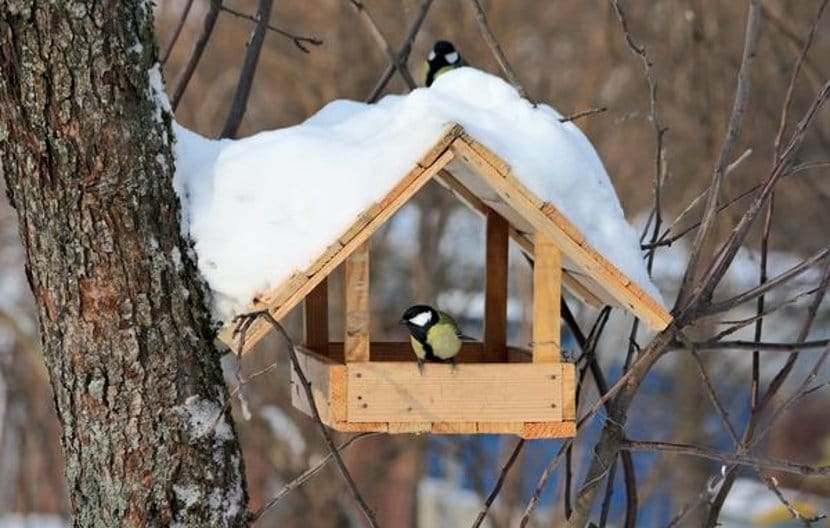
[270, 212]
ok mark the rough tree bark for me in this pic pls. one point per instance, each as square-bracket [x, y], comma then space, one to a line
[85, 148]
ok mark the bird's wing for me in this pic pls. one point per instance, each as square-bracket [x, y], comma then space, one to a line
[444, 317]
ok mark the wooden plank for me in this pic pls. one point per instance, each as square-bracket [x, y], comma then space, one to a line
[338, 392]
[547, 293]
[451, 131]
[328, 254]
[573, 285]
[362, 427]
[390, 204]
[500, 428]
[316, 318]
[409, 427]
[486, 154]
[356, 280]
[550, 210]
[471, 351]
[318, 371]
[495, 288]
[594, 264]
[568, 391]
[362, 221]
[532, 430]
[395, 392]
[454, 428]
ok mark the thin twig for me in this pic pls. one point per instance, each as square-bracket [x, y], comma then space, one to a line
[583, 113]
[737, 459]
[306, 475]
[543, 480]
[295, 363]
[176, 32]
[495, 48]
[794, 346]
[300, 41]
[248, 71]
[778, 280]
[393, 58]
[403, 51]
[736, 119]
[713, 397]
[196, 55]
[505, 469]
[772, 484]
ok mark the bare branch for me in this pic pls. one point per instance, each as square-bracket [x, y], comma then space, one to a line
[403, 52]
[300, 41]
[783, 278]
[248, 71]
[753, 31]
[795, 346]
[582, 113]
[196, 55]
[505, 469]
[176, 32]
[374, 30]
[756, 463]
[306, 475]
[713, 397]
[495, 48]
[295, 363]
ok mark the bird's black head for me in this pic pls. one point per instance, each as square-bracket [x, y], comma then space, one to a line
[443, 54]
[419, 317]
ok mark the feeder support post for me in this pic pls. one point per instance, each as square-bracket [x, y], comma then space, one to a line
[495, 288]
[547, 290]
[356, 340]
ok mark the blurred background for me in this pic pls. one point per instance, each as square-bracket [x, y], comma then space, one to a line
[572, 55]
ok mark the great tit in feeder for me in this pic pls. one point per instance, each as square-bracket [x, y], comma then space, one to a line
[441, 59]
[434, 335]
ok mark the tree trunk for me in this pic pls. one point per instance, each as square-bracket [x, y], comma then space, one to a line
[85, 147]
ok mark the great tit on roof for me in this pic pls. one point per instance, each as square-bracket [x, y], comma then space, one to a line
[441, 59]
[434, 335]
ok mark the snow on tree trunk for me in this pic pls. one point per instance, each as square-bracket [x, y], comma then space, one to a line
[85, 148]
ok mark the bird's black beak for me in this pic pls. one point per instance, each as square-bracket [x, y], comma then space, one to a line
[402, 322]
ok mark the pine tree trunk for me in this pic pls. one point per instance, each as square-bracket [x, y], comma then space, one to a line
[86, 153]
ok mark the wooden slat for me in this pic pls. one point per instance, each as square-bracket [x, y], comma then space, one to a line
[568, 391]
[318, 371]
[356, 279]
[471, 351]
[495, 288]
[395, 392]
[533, 430]
[454, 428]
[316, 318]
[360, 427]
[409, 427]
[500, 428]
[629, 295]
[547, 294]
[390, 204]
[452, 131]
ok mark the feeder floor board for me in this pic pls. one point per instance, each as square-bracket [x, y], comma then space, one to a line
[531, 400]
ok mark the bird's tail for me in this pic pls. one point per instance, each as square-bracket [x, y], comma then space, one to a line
[465, 337]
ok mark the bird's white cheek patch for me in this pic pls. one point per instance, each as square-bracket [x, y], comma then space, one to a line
[431, 56]
[421, 319]
[452, 58]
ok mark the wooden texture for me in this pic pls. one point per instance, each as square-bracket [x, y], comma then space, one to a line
[568, 391]
[479, 161]
[533, 430]
[356, 279]
[485, 182]
[318, 370]
[393, 201]
[316, 318]
[495, 288]
[547, 292]
[395, 392]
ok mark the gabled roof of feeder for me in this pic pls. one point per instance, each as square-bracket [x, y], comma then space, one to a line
[482, 180]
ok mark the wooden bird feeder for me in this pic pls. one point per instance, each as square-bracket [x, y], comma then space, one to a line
[362, 385]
